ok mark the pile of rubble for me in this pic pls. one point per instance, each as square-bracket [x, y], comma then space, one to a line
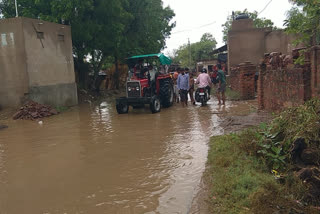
[278, 60]
[33, 111]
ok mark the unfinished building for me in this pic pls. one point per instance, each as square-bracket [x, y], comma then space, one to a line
[36, 63]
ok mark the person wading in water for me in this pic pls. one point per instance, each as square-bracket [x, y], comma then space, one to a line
[221, 85]
[183, 86]
[191, 86]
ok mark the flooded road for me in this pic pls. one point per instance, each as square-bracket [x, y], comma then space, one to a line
[92, 160]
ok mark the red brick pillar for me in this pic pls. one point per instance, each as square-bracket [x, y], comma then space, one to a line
[315, 71]
[247, 72]
[262, 72]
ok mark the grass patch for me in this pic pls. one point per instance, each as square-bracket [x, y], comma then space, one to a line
[240, 165]
[236, 175]
[232, 95]
[61, 109]
[242, 182]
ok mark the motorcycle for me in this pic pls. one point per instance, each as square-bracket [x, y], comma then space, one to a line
[202, 96]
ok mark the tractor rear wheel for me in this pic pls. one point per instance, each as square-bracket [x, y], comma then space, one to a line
[155, 105]
[122, 108]
[166, 93]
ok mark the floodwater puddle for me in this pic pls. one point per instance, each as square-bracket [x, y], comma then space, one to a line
[92, 160]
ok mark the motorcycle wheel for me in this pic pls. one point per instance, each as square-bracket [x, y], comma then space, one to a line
[202, 101]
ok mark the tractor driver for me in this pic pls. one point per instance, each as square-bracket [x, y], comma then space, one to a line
[152, 71]
[138, 68]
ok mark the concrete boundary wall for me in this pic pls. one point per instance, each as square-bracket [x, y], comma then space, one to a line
[55, 95]
[13, 73]
[36, 62]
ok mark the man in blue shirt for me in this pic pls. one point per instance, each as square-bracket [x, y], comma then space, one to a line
[183, 86]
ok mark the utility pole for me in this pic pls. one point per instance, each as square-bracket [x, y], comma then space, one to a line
[15, 2]
[189, 53]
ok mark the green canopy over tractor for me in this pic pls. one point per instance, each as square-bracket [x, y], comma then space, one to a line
[164, 60]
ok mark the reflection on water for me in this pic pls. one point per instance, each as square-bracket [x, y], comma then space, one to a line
[92, 160]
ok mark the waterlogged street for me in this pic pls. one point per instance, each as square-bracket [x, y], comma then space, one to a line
[89, 159]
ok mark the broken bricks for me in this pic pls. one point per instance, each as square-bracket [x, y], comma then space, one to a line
[32, 111]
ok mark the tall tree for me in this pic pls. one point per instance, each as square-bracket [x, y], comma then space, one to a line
[258, 22]
[147, 31]
[196, 51]
[304, 19]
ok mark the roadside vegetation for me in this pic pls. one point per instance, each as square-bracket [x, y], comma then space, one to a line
[270, 168]
[303, 19]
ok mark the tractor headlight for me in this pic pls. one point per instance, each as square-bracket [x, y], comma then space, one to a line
[129, 88]
[137, 88]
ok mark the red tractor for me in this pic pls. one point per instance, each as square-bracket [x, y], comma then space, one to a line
[148, 83]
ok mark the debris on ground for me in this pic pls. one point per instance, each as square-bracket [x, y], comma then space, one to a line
[33, 110]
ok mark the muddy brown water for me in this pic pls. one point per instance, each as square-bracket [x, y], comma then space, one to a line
[92, 160]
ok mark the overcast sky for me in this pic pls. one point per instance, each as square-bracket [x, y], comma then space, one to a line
[196, 17]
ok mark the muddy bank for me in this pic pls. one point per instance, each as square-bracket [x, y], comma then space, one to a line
[234, 121]
[240, 164]
[237, 123]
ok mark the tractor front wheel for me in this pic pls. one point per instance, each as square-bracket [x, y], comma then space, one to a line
[155, 105]
[122, 108]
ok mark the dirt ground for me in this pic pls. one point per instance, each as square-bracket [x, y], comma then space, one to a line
[230, 123]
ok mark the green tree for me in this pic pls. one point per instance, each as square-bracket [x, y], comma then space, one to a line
[304, 19]
[199, 51]
[147, 31]
[151, 25]
[258, 22]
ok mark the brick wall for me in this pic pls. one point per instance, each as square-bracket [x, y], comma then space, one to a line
[281, 83]
[315, 71]
[241, 79]
[247, 72]
[234, 80]
[282, 88]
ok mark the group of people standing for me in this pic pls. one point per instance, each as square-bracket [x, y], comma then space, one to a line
[184, 84]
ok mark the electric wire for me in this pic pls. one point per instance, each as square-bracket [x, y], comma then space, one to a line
[195, 28]
[265, 7]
